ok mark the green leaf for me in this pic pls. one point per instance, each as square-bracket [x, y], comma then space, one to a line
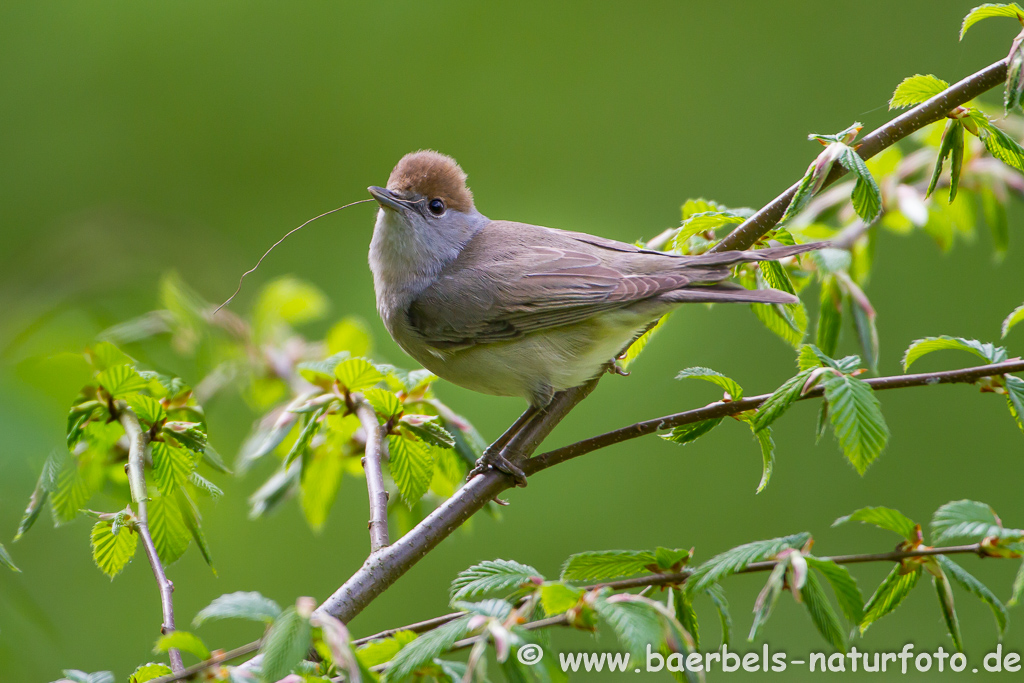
[167, 526]
[856, 418]
[978, 589]
[321, 372]
[184, 641]
[5, 559]
[147, 672]
[780, 400]
[1018, 587]
[357, 374]
[146, 408]
[864, 323]
[608, 564]
[557, 598]
[969, 519]
[767, 599]
[1011, 320]
[284, 302]
[383, 650]
[822, 614]
[384, 403]
[171, 466]
[112, 552]
[809, 184]
[351, 335]
[121, 380]
[952, 146]
[205, 486]
[946, 602]
[240, 605]
[883, 518]
[728, 385]
[717, 595]
[190, 513]
[685, 614]
[867, 198]
[321, 479]
[843, 585]
[764, 439]
[830, 316]
[915, 90]
[998, 142]
[81, 677]
[411, 466]
[889, 594]
[73, 488]
[1015, 398]
[309, 430]
[491, 576]
[991, 10]
[637, 347]
[636, 624]
[684, 434]
[922, 347]
[429, 429]
[736, 559]
[46, 483]
[424, 649]
[285, 644]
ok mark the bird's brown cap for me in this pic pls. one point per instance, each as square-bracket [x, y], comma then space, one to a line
[433, 175]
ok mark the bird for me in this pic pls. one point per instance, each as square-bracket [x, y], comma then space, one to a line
[512, 309]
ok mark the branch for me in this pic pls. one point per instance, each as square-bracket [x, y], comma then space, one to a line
[727, 408]
[378, 496]
[920, 116]
[138, 440]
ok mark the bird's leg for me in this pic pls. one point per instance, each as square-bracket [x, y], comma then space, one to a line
[494, 455]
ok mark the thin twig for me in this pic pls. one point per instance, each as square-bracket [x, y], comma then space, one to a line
[138, 440]
[727, 408]
[377, 494]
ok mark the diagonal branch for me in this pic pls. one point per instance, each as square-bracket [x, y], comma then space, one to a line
[138, 440]
[376, 493]
[727, 408]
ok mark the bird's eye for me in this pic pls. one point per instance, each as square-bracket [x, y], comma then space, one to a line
[436, 207]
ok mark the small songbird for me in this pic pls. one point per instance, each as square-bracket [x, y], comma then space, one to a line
[512, 309]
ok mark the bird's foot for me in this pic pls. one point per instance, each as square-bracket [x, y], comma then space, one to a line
[494, 460]
[615, 369]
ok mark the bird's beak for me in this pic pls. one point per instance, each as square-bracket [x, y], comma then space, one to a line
[386, 198]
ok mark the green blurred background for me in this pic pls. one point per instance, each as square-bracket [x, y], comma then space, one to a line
[138, 138]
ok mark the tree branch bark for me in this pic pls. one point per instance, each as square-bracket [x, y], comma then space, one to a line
[376, 493]
[138, 440]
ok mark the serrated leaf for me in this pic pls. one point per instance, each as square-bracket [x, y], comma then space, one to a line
[321, 478]
[729, 385]
[384, 403]
[429, 429]
[147, 672]
[969, 519]
[823, 616]
[557, 598]
[146, 408]
[6, 560]
[883, 518]
[856, 418]
[357, 374]
[1011, 320]
[411, 466]
[978, 589]
[685, 614]
[1015, 398]
[636, 624]
[171, 466]
[767, 444]
[205, 486]
[285, 644]
[46, 483]
[767, 599]
[809, 184]
[184, 641]
[1018, 587]
[843, 585]
[922, 347]
[889, 594]
[780, 400]
[998, 142]
[717, 595]
[382, 650]
[490, 576]
[424, 649]
[121, 380]
[239, 605]
[830, 316]
[867, 198]
[684, 434]
[309, 430]
[74, 486]
[952, 146]
[607, 564]
[321, 372]
[787, 321]
[167, 526]
[193, 520]
[915, 90]
[988, 10]
[731, 561]
[948, 606]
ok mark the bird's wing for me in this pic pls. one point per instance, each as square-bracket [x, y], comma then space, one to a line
[512, 279]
